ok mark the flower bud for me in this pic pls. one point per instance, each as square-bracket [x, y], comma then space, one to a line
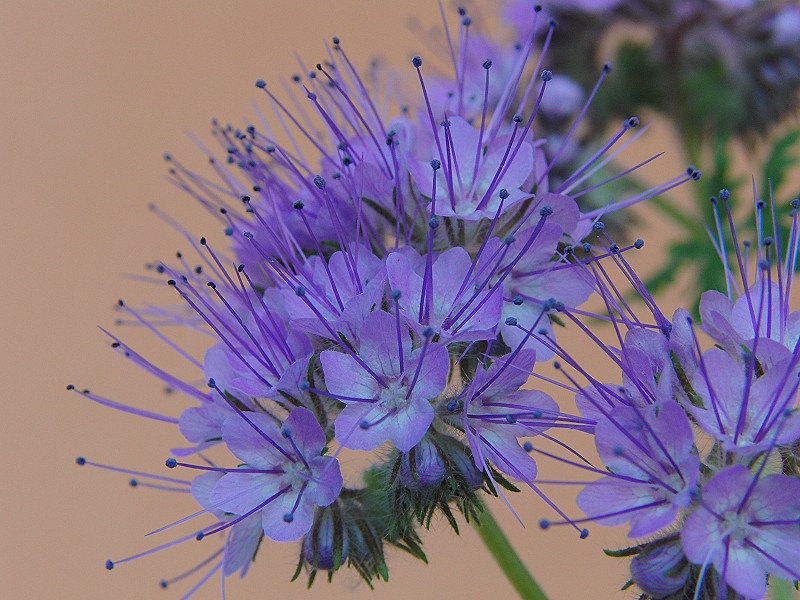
[562, 99]
[461, 458]
[422, 466]
[325, 546]
[661, 568]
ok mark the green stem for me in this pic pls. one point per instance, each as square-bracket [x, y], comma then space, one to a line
[507, 558]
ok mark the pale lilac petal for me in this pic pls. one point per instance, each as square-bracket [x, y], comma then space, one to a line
[433, 373]
[345, 377]
[505, 453]
[408, 427]
[240, 493]
[699, 536]
[743, 572]
[305, 432]
[250, 443]
[512, 377]
[203, 423]
[202, 489]
[379, 348]
[275, 525]
[527, 314]
[327, 482]
[449, 270]
[618, 498]
[404, 427]
[241, 545]
[348, 428]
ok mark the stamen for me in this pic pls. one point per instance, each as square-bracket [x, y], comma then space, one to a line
[123, 407]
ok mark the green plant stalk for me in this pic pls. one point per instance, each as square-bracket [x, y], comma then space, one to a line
[507, 558]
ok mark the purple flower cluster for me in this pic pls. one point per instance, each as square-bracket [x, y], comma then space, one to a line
[394, 293]
[700, 445]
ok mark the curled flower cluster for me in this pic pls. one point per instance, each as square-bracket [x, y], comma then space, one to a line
[394, 293]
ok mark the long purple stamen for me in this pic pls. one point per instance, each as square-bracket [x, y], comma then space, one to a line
[123, 407]
[428, 333]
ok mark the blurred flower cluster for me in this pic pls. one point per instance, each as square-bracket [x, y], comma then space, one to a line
[388, 280]
[721, 73]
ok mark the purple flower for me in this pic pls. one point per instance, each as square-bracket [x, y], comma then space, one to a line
[283, 476]
[785, 25]
[482, 61]
[654, 468]
[445, 293]
[747, 528]
[647, 377]
[387, 388]
[202, 425]
[533, 273]
[747, 412]
[365, 291]
[473, 170]
[343, 289]
[497, 413]
[761, 312]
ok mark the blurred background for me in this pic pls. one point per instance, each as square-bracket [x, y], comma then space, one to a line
[91, 94]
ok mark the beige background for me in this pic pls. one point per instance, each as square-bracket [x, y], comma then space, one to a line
[91, 94]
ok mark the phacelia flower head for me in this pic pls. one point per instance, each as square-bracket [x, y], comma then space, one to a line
[387, 283]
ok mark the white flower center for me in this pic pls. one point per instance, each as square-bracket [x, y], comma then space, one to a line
[295, 474]
[735, 525]
[393, 397]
